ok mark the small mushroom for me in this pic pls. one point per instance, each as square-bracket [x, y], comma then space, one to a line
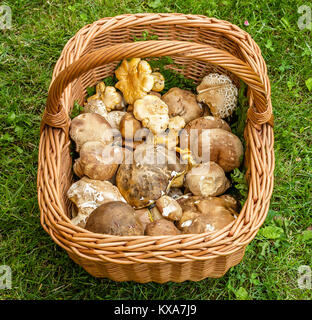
[219, 146]
[129, 126]
[90, 127]
[135, 79]
[88, 194]
[98, 161]
[152, 112]
[219, 93]
[105, 100]
[159, 82]
[112, 99]
[207, 179]
[115, 218]
[169, 208]
[195, 127]
[161, 227]
[182, 103]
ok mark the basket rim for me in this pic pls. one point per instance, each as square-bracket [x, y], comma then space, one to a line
[129, 250]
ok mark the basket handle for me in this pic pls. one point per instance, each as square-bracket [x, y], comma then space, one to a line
[56, 116]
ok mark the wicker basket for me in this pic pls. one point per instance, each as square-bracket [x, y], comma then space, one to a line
[201, 45]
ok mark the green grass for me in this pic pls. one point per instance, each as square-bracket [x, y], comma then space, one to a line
[28, 53]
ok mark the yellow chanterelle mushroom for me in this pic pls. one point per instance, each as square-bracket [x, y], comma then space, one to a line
[135, 79]
[104, 100]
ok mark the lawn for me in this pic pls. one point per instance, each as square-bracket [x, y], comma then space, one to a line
[28, 53]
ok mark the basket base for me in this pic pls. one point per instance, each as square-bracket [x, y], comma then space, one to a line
[161, 272]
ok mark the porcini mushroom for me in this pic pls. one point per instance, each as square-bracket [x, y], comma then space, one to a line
[129, 126]
[140, 184]
[219, 146]
[182, 103]
[169, 208]
[219, 93]
[98, 161]
[90, 127]
[88, 194]
[115, 218]
[158, 155]
[207, 179]
[195, 127]
[205, 214]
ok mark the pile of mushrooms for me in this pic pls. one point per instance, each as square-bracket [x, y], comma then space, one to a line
[153, 164]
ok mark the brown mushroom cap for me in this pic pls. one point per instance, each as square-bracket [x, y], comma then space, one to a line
[182, 103]
[219, 146]
[129, 125]
[161, 227]
[212, 222]
[207, 179]
[195, 127]
[90, 127]
[205, 214]
[115, 218]
[98, 161]
[169, 208]
[141, 185]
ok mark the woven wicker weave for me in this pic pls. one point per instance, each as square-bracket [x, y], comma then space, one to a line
[201, 45]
